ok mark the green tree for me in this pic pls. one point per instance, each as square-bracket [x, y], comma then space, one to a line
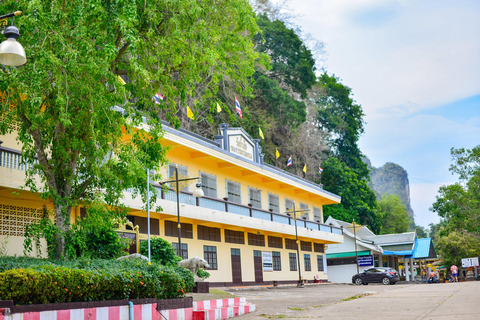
[454, 246]
[394, 215]
[64, 98]
[459, 204]
[358, 200]
[343, 118]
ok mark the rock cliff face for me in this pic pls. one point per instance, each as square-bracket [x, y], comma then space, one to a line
[392, 179]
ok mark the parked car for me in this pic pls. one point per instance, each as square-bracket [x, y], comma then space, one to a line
[378, 275]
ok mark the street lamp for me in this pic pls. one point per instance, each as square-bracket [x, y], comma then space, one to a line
[11, 51]
[300, 282]
[198, 193]
[354, 227]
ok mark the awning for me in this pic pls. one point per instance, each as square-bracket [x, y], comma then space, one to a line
[397, 253]
[348, 254]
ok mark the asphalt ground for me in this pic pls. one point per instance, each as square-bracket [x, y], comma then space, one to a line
[374, 301]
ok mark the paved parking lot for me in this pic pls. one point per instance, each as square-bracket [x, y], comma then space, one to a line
[375, 301]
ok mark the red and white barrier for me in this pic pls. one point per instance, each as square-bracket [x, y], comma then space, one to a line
[208, 310]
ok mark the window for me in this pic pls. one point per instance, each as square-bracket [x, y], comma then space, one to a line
[289, 206]
[210, 255]
[209, 184]
[182, 171]
[317, 214]
[304, 210]
[143, 224]
[172, 231]
[276, 261]
[308, 264]
[183, 253]
[341, 261]
[207, 233]
[319, 247]
[290, 244]
[234, 192]
[255, 197]
[320, 262]
[234, 236]
[273, 203]
[292, 258]
[256, 240]
[275, 242]
[305, 246]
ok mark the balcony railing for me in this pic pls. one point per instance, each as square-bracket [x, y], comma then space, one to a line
[13, 159]
[10, 158]
[244, 210]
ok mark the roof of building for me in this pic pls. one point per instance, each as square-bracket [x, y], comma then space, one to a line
[423, 249]
[395, 238]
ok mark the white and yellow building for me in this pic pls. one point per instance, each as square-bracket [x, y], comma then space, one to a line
[241, 226]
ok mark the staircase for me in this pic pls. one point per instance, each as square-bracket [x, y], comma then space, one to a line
[221, 308]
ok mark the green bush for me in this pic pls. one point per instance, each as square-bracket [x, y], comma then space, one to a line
[34, 281]
[161, 251]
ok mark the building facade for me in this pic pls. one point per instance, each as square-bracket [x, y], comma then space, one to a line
[244, 226]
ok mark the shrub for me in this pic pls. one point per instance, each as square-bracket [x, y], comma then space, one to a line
[161, 251]
[33, 281]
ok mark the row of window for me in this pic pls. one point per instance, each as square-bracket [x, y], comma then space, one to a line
[233, 193]
[214, 234]
[210, 255]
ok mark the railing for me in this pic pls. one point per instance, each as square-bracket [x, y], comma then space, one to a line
[13, 159]
[10, 158]
[247, 211]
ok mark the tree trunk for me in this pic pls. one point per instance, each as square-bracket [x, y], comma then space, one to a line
[62, 219]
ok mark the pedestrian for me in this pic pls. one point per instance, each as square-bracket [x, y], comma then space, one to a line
[454, 270]
[433, 277]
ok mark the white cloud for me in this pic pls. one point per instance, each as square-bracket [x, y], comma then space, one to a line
[422, 197]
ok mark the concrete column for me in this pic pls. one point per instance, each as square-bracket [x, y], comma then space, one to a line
[405, 269]
[411, 269]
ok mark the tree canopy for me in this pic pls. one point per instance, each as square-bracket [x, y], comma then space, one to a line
[394, 215]
[458, 205]
[64, 99]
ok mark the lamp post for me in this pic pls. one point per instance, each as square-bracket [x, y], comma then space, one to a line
[198, 193]
[300, 282]
[11, 51]
[354, 227]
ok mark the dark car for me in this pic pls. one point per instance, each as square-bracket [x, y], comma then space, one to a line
[378, 275]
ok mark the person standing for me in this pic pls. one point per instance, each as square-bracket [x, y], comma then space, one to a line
[454, 271]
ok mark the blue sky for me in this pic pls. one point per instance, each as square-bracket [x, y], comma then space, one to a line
[414, 66]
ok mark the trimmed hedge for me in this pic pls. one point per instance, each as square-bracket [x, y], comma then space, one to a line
[36, 281]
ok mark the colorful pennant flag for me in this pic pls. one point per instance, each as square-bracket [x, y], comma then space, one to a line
[219, 109]
[320, 170]
[277, 154]
[190, 113]
[305, 168]
[157, 98]
[238, 108]
[261, 133]
[289, 162]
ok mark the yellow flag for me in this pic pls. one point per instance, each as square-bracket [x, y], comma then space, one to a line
[305, 168]
[261, 133]
[277, 154]
[190, 113]
[219, 109]
[120, 79]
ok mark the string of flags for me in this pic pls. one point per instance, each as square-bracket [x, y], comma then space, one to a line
[238, 109]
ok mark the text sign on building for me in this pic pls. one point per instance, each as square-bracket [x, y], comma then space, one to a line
[267, 261]
[241, 146]
[365, 261]
[470, 262]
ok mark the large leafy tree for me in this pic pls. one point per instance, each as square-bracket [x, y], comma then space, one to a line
[64, 99]
[358, 200]
[394, 214]
[459, 207]
[343, 118]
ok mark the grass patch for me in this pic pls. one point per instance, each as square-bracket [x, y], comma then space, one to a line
[358, 296]
[296, 309]
[221, 294]
[277, 316]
